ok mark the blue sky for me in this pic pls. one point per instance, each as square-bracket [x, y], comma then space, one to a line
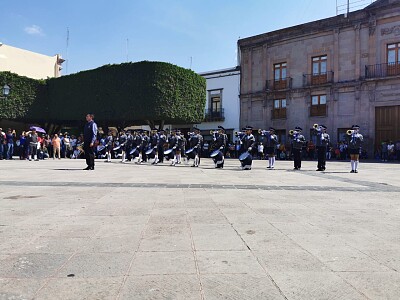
[160, 30]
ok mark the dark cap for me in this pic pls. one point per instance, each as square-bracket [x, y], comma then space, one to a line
[355, 127]
[222, 128]
[298, 128]
[271, 129]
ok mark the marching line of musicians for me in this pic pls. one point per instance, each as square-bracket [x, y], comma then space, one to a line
[137, 145]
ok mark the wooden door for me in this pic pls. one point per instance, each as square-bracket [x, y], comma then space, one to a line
[387, 124]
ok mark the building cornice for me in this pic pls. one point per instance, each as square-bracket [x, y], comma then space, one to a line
[324, 25]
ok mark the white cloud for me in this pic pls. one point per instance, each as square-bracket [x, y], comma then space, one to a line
[34, 30]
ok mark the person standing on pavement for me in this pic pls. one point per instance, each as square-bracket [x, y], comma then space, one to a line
[89, 137]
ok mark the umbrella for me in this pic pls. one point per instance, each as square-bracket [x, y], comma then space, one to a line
[38, 129]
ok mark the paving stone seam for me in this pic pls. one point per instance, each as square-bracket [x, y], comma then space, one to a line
[126, 276]
[252, 253]
[193, 246]
[365, 186]
[48, 279]
[374, 259]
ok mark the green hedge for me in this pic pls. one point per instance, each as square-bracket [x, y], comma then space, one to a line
[129, 92]
[26, 100]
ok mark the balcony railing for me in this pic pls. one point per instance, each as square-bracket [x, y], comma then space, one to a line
[382, 70]
[279, 113]
[280, 84]
[318, 79]
[214, 115]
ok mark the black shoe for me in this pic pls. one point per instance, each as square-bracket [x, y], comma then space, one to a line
[352, 171]
[355, 171]
[87, 168]
[318, 169]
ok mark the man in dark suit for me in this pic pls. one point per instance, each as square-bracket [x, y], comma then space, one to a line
[89, 138]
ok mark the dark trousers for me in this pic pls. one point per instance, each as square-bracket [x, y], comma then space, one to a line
[321, 157]
[144, 156]
[297, 158]
[160, 151]
[89, 155]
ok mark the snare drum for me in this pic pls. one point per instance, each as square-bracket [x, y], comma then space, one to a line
[151, 153]
[190, 153]
[169, 153]
[214, 153]
[100, 148]
[134, 152]
[244, 156]
[246, 160]
[148, 152]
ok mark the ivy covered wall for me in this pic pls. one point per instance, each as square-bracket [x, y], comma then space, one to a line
[27, 98]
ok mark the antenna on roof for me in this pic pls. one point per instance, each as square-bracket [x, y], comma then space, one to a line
[127, 50]
[66, 53]
[346, 6]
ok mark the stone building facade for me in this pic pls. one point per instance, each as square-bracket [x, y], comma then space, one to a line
[338, 71]
[30, 64]
[222, 105]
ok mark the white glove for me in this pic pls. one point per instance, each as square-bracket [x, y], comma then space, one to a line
[174, 147]
[222, 147]
[249, 149]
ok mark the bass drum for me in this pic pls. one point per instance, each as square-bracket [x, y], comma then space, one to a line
[190, 153]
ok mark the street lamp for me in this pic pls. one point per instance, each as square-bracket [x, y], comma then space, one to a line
[6, 90]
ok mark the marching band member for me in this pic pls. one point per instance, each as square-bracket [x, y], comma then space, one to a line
[153, 144]
[122, 143]
[145, 144]
[195, 141]
[175, 143]
[355, 140]
[249, 142]
[162, 139]
[298, 140]
[321, 144]
[109, 145]
[219, 143]
[241, 136]
[270, 141]
[129, 145]
[137, 146]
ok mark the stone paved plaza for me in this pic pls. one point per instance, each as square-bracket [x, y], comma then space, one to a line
[127, 231]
